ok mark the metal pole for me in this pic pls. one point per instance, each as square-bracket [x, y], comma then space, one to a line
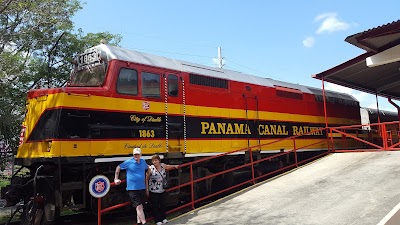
[323, 94]
[99, 211]
[325, 114]
[384, 137]
[377, 107]
[328, 141]
[252, 165]
[192, 184]
[397, 107]
[220, 58]
[383, 129]
[333, 144]
[295, 152]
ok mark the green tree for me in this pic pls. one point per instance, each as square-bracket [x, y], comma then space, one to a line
[37, 44]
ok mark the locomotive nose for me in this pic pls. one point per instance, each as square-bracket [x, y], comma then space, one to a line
[40, 93]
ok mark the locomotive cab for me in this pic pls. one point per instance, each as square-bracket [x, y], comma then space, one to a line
[90, 69]
[49, 117]
[37, 185]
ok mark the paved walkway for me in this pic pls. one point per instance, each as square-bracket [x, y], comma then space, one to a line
[340, 189]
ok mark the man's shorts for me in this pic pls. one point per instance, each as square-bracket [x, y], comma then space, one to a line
[137, 197]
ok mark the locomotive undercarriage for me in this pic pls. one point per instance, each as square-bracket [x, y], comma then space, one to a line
[35, 193]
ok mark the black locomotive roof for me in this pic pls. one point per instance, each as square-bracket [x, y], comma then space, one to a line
[385, 116]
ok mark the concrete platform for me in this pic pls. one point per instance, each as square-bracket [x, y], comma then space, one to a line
[343, 188]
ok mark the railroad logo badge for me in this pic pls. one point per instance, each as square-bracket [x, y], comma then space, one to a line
[99, 186]
[146, 105]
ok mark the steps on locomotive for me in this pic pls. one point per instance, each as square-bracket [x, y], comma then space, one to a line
[72, 186]
[174, 177]
[76, 202]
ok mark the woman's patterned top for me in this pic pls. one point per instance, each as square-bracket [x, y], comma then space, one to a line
[156, 179]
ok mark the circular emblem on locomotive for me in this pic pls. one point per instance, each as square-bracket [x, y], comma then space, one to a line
[146, 105]
[99, 186]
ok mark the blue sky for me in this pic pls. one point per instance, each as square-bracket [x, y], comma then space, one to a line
[283, 40]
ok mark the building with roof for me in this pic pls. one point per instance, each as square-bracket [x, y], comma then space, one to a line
[377, 71]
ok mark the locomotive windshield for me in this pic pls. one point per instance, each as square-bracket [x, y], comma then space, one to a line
[90, 70]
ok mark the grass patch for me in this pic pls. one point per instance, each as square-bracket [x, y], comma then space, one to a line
[5, 216]
[4, 183]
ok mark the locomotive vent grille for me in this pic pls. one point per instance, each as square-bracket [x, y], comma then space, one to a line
[208, 81]
[288, 92]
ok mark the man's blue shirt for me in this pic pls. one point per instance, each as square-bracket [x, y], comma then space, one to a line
[135, 174]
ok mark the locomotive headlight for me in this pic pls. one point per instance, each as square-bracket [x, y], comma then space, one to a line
[49, 146]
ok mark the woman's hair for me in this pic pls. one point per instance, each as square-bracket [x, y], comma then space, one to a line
[155, 157]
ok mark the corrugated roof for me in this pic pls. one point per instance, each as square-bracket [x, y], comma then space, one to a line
[383, 80]
[377, 39]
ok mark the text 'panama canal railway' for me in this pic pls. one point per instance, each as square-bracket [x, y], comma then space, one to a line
[263, 129]
[118, 99]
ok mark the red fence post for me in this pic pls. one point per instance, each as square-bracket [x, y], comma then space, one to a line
[327, 130]
[295, 152]
[343, 137]
[252, 165]
[384, 137]
[332, 143]
[192, 184]
[99, 211]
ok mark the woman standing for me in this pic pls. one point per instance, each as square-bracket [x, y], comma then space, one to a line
[156, 177]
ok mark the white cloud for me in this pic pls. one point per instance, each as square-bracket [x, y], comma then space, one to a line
[309, 42]
[330, 23]
[324, 15]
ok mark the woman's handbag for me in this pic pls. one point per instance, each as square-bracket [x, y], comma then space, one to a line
[165, 183]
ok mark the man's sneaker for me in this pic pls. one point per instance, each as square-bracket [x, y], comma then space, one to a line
[164, 221]
[159, 223]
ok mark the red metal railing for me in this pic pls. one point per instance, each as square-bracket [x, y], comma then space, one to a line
[332, 144]
[251, 164]
[382, 136]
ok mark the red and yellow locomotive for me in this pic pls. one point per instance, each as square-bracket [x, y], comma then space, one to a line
[118, 99]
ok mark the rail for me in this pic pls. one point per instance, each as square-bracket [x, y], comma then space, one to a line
[380, 137]
[374, 138]
[251, 164]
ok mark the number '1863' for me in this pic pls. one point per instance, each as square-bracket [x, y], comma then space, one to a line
[146, 133]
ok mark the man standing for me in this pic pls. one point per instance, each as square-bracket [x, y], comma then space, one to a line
[135, 182]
